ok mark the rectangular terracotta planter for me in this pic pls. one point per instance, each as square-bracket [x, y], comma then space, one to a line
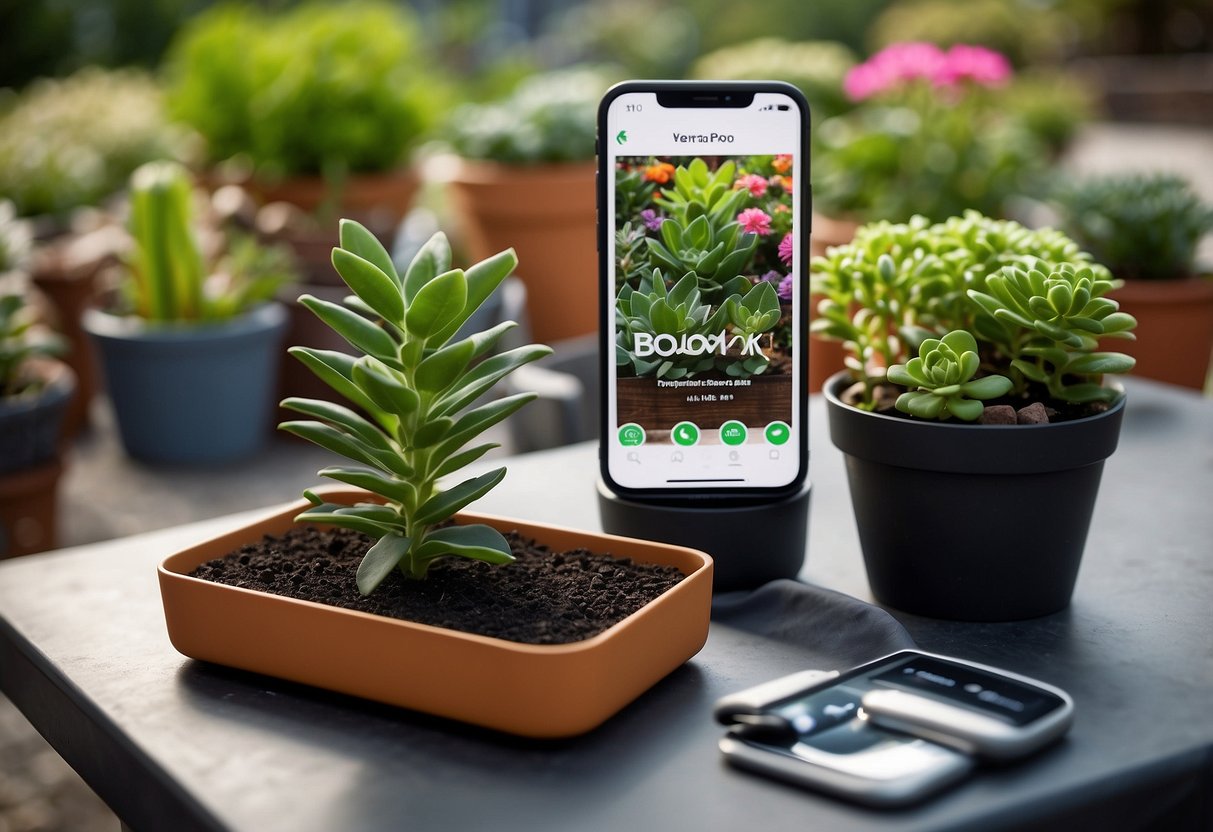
[531, 690]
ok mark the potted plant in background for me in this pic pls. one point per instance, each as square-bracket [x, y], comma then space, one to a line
[323, 102]
[66, 146]
[189, 352]
[315, 110]
[34, 393]
[1146, 228]
[973, 414]
[525, 177]
[930, 134]
[419, 384]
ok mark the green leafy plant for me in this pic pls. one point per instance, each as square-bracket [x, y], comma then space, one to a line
[320, 88]
[169, 279]
[930, 134]
[941, 379]
[74, 141]
[22, 338]
[1049, 324]
[1031, 299]
[1142, 226]
[549, 118]
[16, 237]
[715, 255]
[417, 386]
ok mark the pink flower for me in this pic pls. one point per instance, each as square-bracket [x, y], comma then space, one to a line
[975, 63]
[785, 250]
[755, 221]
[902, 63]
[891, 67]
[755, 184]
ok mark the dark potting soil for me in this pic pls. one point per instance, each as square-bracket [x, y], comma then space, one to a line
[543, 597]
[1035, 399]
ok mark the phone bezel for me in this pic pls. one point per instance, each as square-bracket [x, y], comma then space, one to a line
[700, 94]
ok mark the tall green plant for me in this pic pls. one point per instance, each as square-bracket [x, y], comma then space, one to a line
[417, 386]
[168, 274]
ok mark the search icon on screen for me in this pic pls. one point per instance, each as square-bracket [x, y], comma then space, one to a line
[633, 457]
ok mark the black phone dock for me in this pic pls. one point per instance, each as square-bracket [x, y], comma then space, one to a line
[751, 543]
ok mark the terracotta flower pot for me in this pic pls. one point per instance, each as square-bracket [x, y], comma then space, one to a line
[547, 213]
[826, 357]
[30, 467]
[527, 689]
[1174, 329]
[971, 522]
[29, 510]
[361, 196]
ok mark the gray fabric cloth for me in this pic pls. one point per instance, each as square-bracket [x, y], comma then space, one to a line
[829, 630]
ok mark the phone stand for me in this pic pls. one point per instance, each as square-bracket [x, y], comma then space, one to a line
[750, 544]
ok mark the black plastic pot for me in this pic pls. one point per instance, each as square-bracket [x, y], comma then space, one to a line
[971, 522]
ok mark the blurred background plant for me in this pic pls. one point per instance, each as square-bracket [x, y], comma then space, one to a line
[169, 277]
[930, 135]
[330, 89]
[1141, 226]
[549, 117]
[15, 238]
[72, 142]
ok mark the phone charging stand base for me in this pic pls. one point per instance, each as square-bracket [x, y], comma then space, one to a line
[750, 544]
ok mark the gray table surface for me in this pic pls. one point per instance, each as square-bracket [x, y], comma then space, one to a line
[171, 743]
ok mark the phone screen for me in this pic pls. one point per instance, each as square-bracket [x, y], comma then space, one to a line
[703, 265]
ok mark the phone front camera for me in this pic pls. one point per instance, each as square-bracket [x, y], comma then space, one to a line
[728, 98]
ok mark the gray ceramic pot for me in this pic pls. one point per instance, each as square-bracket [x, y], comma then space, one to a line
[193, 394]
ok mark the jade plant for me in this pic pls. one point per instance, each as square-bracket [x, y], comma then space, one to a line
[169, 279]
[1143, 227]
[1032, 304]
[418, 385]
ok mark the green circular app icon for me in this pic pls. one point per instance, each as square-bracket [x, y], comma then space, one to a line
[631, 435]
[686, 434]
[732, 432]
[778, 433]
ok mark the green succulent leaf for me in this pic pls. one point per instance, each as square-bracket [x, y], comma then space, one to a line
[356, 239]
[965, 409]
[433, 259]
[370, 284]
[445, 504]
[357, 330]
[987, 387]
[437, 304]
[380, 560]
[472, 541]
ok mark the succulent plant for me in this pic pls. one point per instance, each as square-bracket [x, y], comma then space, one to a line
[21, 339]
[1142, 227]
[698, 191]
[1034, 303]
[1050, 326]
[676, 334]
[941, 379]
[168, 274]
[418, 387]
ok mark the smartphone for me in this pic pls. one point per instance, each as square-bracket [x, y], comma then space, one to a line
[892, 731]
[703, 207]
